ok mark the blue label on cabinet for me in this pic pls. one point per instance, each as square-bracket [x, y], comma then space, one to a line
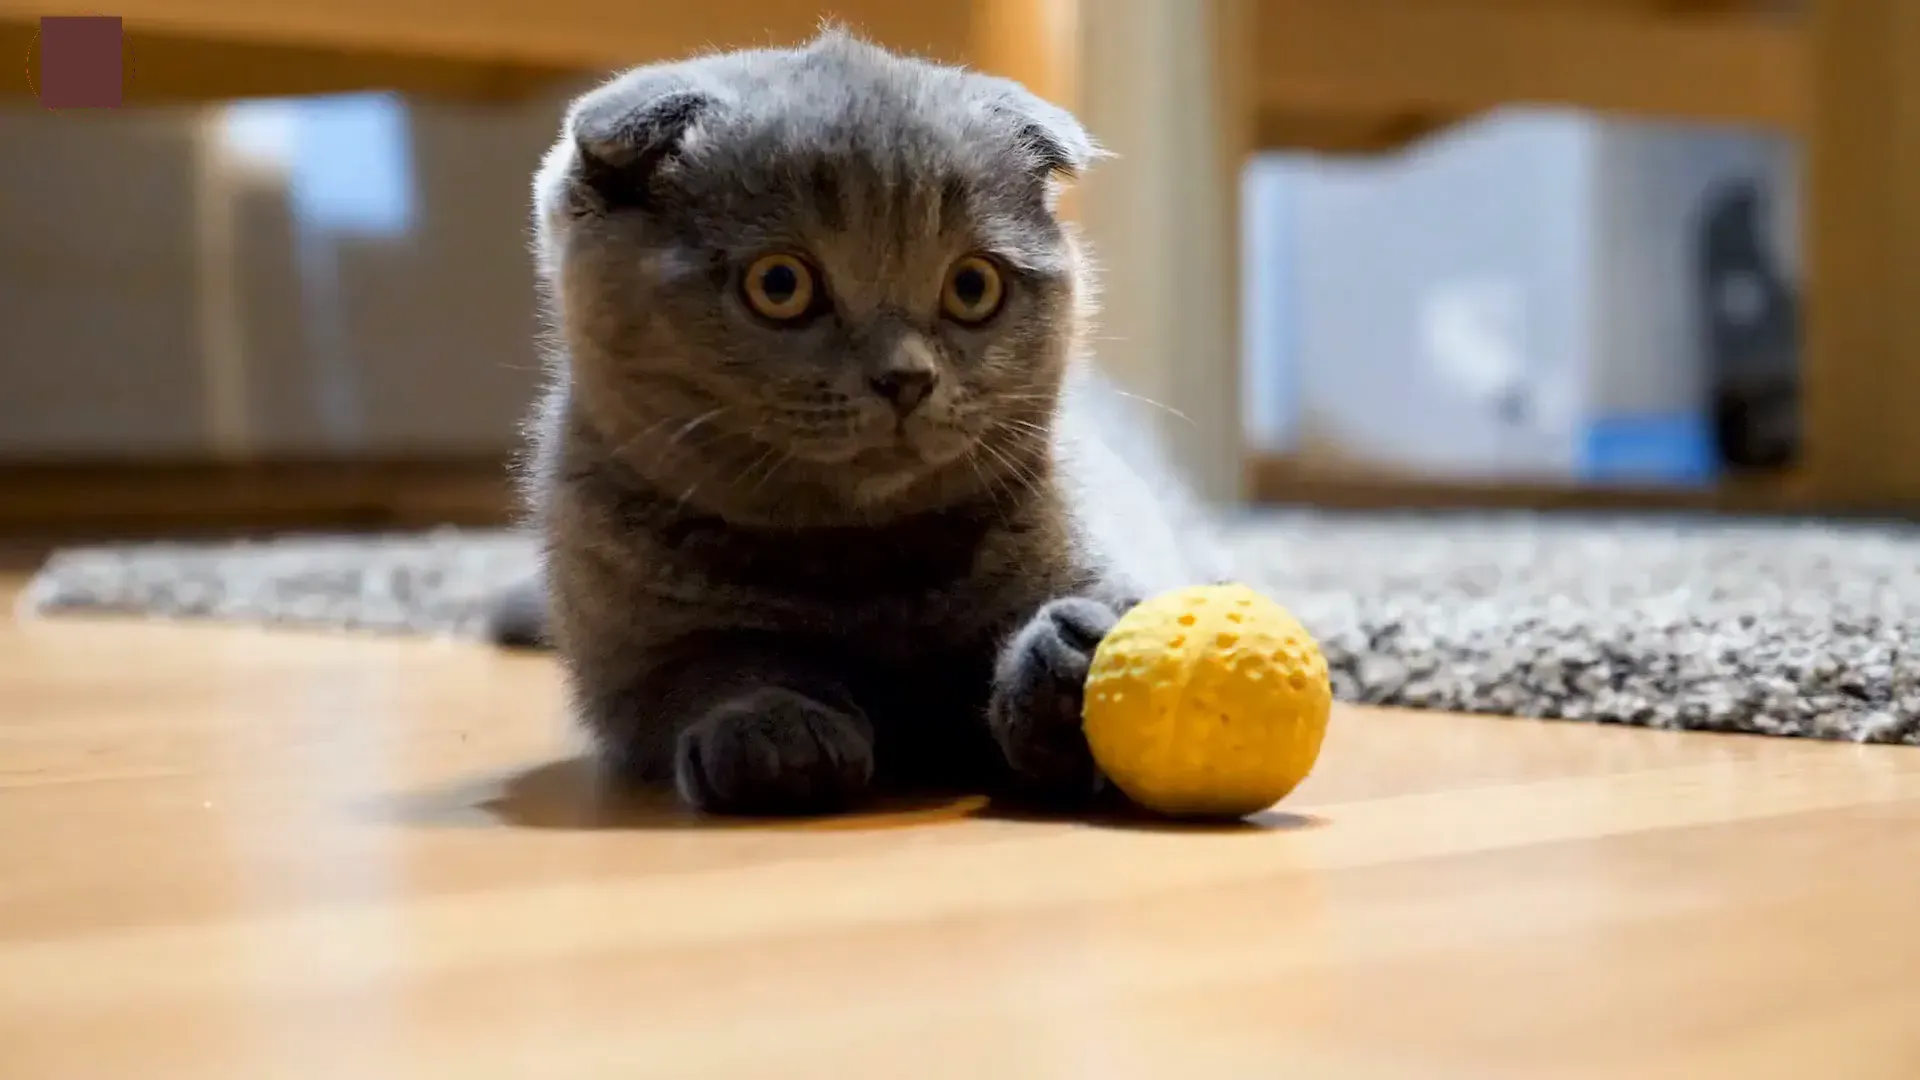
[1675, 448]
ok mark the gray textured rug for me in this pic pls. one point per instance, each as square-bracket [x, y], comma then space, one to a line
[1779, 629]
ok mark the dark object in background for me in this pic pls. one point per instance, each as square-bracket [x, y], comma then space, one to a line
[1752, 327]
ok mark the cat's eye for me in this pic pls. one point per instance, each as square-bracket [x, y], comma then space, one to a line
[973, 291]
[779, 287]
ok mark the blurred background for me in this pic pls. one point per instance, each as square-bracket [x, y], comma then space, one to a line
[1366, 252]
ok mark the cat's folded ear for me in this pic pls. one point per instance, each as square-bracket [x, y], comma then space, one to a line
[625, 131]
[1053, 140]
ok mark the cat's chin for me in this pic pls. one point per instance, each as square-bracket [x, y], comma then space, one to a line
[883, 473]
[876, 489]
[895, 457]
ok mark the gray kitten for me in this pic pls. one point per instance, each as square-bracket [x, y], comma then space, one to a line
[819, 473]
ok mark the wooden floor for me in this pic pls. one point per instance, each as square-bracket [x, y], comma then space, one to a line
[236, 854]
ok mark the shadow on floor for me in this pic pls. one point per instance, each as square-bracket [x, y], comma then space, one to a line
[571, 794]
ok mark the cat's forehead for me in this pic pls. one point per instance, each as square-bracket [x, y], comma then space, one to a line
[871, 216]
[842, 104]
[875, 154]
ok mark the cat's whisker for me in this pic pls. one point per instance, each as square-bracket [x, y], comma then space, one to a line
[688, 428]
[1161, 405]
[1031, 451]
[779, 464]
[633, 441]
[1017, 424]
[987, 485]
[1023, 478]
[766, 451]
[1023, 431]
[773, 459]
[996, 485]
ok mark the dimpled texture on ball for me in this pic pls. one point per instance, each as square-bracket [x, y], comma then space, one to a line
[1207, 702]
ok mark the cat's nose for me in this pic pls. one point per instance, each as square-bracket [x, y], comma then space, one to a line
[905, 388]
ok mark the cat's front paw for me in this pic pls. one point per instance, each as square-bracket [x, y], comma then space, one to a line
[1038, 688]
[773, 751]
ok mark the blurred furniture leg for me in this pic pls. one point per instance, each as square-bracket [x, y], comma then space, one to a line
[1862, 354]
[1165, 85]
[1159, 83]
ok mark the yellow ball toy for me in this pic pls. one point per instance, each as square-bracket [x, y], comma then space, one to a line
[1207, 702]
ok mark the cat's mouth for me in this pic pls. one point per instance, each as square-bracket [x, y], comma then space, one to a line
[881, 470]
[907, 446]
[891, 450]
[900, 455]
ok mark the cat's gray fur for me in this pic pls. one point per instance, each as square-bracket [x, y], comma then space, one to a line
[769, 586]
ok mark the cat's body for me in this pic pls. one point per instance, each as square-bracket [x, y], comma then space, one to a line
[830, 501]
